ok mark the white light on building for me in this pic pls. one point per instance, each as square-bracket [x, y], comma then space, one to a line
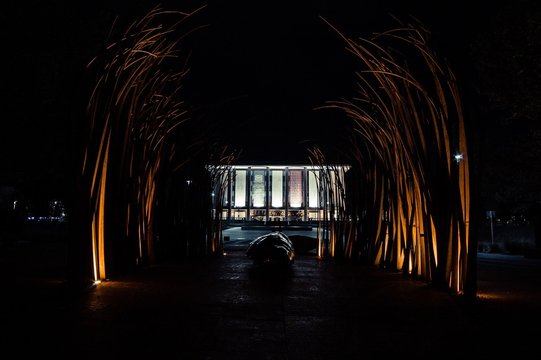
[240, 188]
[277, 188]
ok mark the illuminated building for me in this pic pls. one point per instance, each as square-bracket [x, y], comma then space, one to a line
[277, 193]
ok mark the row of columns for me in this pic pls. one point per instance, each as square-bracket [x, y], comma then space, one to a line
[286, 187]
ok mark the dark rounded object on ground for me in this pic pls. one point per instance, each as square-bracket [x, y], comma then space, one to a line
[274, 248]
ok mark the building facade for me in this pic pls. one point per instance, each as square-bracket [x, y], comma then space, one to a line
[276, 194]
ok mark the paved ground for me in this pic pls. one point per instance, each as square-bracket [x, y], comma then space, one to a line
[225, 308]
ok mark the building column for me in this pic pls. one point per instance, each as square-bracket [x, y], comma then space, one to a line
[268, 190]
[229, 191]
[248, 192]
[286, 186]
[305, 193]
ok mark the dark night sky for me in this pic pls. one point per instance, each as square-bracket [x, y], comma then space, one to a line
[265, 67]
[258, 69]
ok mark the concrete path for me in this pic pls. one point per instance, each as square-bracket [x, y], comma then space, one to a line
[225, 308]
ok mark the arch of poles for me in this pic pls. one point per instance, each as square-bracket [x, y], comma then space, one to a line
[408, 191]
[134, 111]
[407, 205]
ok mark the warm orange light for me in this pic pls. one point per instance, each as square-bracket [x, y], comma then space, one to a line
[134, 106]
[406, 131]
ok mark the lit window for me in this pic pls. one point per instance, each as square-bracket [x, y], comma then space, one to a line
[277, 188]
[295, 188]
[240, 188]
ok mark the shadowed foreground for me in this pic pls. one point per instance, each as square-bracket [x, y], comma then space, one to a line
[225, 308]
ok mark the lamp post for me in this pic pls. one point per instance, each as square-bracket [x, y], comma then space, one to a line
[490, 215]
